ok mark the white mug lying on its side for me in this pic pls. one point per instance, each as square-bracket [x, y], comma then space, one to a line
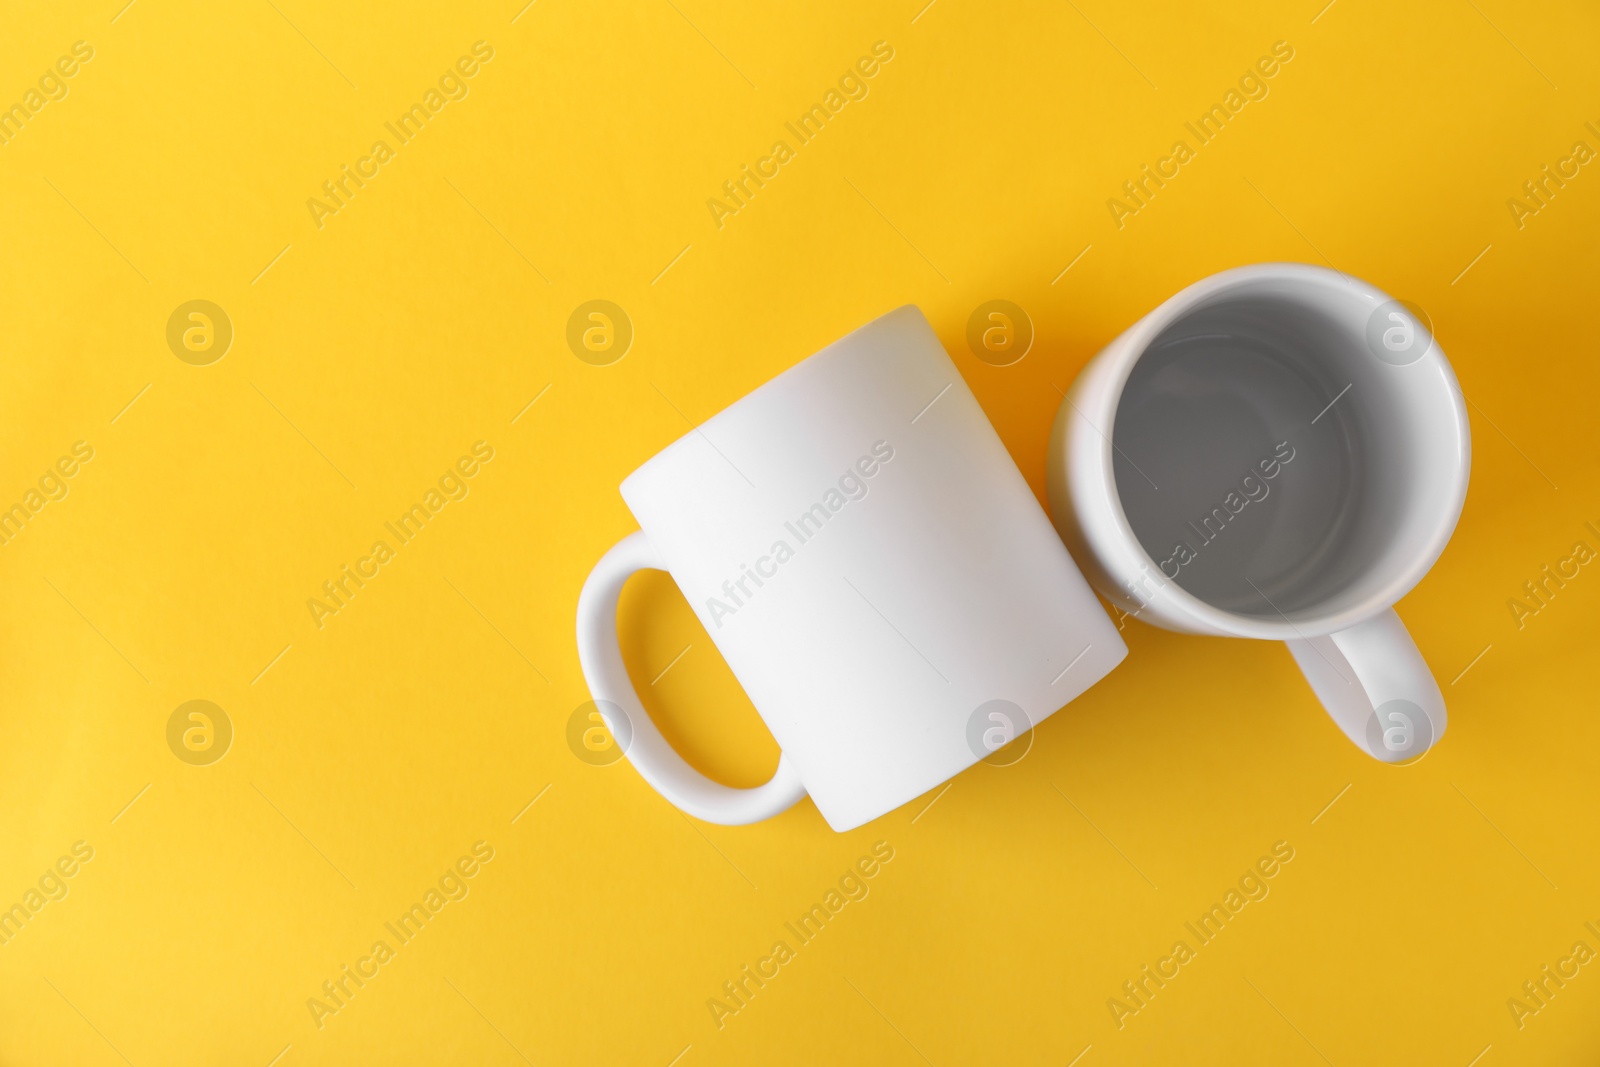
[856, 540]
[1281, 452]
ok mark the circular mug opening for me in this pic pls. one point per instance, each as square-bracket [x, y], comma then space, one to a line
[1273, 466]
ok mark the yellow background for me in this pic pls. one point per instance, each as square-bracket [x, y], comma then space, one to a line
[428, 713]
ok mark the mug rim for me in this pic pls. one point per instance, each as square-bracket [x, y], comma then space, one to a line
[1171, 598]
[767, 387]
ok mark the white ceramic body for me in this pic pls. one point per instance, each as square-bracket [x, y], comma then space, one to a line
[899, 608]
[1398, 433]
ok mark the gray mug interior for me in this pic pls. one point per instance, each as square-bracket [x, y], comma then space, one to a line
[1266, 460]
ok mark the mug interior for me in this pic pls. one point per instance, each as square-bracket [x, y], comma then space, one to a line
[1273, 466]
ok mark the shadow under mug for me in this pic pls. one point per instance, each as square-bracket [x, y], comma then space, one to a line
[1281, 452]
[877, 573]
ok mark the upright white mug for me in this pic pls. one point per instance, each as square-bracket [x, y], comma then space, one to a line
[1280, 452]
[873, 567]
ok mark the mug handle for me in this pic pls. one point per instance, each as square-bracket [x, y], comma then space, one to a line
[1362, 674]
[600, 656]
